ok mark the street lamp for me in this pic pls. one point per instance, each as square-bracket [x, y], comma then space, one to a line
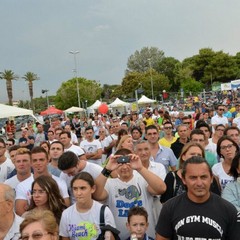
[75, 71]
[46, 91]
[150, 65]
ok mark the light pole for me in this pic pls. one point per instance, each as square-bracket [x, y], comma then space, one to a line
[75, 71]
[46, 91]
[150, 65]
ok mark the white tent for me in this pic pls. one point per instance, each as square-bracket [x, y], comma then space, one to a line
[74, 109]
[10, 111]
[95, 105]
[118, 103]
[145, 99]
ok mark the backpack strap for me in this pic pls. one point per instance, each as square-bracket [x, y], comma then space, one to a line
[174, 182]
[102, 219]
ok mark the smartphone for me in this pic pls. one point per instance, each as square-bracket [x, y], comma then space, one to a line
[123, 159]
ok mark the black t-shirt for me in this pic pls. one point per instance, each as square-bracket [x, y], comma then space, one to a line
[182, 219]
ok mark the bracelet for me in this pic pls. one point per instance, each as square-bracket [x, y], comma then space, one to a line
[106, 173]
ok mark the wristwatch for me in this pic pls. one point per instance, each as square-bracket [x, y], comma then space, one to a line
[106, 173]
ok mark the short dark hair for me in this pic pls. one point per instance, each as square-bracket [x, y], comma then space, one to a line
[219, 125]
[14, 148]
[203, 124]
[138, 129]
[3, 142]
[231, 128]
[195, 160]
[57, 142]
[123, 151]
[137, 211]
[39, 149]
[11, 140]
[65, 132]
[151, 127]
[67, 160]
[85, 176]
[88, 128]
[197, 132]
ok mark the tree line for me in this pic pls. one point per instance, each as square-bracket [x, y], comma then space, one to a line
[145, 69]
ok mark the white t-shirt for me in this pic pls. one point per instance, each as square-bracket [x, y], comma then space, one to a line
[215, 120]
[75, 149]
[12, 182]
[74, 138]
[86, 225]
[91, 147]
[223, 177]
[237, 121]
[6, 168]
[104, 143]
[211, 147]
[91, 168]
[23, 189]
[124, 195]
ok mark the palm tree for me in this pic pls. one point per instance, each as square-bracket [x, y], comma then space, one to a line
[30, 77]
[9, 75]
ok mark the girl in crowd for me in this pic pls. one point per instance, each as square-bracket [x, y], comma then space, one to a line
[125, 142]
[46, 195]
[232, 190]
[46, 146]
[226, 150]
[84, 215]
[39, 225]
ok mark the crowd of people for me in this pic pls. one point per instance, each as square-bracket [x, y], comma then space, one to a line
[155, 175]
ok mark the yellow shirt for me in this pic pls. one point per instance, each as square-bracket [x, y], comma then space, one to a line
[149, 121]
[164, 142]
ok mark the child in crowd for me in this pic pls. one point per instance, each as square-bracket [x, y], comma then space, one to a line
[137, 224]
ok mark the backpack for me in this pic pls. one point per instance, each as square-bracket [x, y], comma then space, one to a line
[108, 227]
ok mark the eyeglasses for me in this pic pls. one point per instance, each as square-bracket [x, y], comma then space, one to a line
[35, 235]
[186, 122]
[39, 192]
[229, 146]
[167, 128]
[221, 109]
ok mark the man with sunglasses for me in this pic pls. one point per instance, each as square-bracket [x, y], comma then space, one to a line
[168, 138]
[219, 118]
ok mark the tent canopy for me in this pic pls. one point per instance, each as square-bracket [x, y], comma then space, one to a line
[145, 99]
[95, 105]
[10, 111]
[118, 103]
[74, 109]
[51, 110]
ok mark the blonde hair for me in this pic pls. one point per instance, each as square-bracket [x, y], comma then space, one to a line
[122, 140]
[45, 217]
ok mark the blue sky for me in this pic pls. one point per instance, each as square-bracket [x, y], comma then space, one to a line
[37, 36]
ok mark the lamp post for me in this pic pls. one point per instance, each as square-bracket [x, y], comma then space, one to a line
[75, 71]
[150, 65]
[46, 91]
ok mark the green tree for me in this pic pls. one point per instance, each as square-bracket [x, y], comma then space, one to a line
[136, 80]
[143, 60]
[30, 77]
[66, 96]
[9, 76]
[191, 85]
[167, 66]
